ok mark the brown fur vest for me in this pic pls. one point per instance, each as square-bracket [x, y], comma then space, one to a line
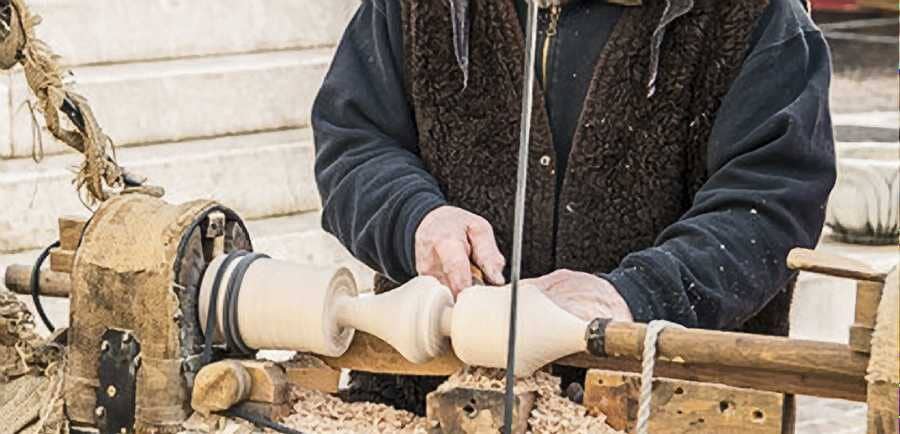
[636, 161]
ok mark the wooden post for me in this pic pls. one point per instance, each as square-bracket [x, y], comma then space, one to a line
[683, 406]
[70, 229]
[868, 296]
[61, 261]
[472, 411]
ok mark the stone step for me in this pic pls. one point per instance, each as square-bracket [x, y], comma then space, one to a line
[258, 175]
[112, 31]
[297, 238]
[877, 119]
[175, 100]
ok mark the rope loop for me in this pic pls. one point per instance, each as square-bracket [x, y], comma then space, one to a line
[648, 362]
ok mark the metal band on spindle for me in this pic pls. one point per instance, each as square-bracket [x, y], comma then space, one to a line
[211, 325]
[595, 336]
[230, 325]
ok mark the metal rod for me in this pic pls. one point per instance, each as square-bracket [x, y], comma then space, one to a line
[519, 220]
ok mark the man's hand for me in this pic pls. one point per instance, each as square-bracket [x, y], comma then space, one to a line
[583, 295]
[449, 240]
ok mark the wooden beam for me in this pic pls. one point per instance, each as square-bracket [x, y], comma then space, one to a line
[370, 354]
[310, 372]
[851, 388]
[473, 411]
[738, 350]
[833, 265]
[683, 406]
[52, 284]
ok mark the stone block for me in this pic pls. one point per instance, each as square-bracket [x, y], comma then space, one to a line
[258, 175]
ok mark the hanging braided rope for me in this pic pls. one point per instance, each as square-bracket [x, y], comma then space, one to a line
[648, 362]
[99, 176]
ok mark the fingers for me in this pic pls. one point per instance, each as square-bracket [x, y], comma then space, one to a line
[485, 252]
[454, 265]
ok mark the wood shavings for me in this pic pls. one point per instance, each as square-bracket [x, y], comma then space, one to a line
[317, 412]
[552, 413]
[325, 414]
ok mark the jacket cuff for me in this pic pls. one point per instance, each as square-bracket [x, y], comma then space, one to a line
[415, 209]
[632, 286]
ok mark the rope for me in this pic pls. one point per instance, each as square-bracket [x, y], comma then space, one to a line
[654, 328]
[99, 175]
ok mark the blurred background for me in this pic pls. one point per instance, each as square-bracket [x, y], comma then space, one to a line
[211, 98]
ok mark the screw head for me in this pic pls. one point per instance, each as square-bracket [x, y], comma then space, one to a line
[100, 411]
[111, 391]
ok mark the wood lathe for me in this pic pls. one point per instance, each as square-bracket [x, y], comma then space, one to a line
[147, 305]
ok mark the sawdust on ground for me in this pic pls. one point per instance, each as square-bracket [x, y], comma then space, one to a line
[321, 413]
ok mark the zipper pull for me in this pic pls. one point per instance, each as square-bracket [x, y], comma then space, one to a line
[554, 20]
[552, 28]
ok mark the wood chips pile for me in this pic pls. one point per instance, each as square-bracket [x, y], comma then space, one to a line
[552, 413]
[316, 412]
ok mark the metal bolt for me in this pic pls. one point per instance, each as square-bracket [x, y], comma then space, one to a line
[111, 391]
[545, 160]
[100, 411]
[104, 346]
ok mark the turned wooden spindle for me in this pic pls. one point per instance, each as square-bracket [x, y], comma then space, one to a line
[288, 306]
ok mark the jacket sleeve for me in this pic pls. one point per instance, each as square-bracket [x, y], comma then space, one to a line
[374, 187]
[771, 165]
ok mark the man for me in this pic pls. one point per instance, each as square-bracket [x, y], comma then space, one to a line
[680, 149]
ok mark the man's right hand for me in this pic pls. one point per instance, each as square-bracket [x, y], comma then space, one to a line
[449, 240]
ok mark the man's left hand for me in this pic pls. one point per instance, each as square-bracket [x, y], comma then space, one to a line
[583, 295]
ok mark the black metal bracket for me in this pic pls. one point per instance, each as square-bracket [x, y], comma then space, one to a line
[595, 335]
[120, 360]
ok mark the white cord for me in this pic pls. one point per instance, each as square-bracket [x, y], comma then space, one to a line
[654, 328]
